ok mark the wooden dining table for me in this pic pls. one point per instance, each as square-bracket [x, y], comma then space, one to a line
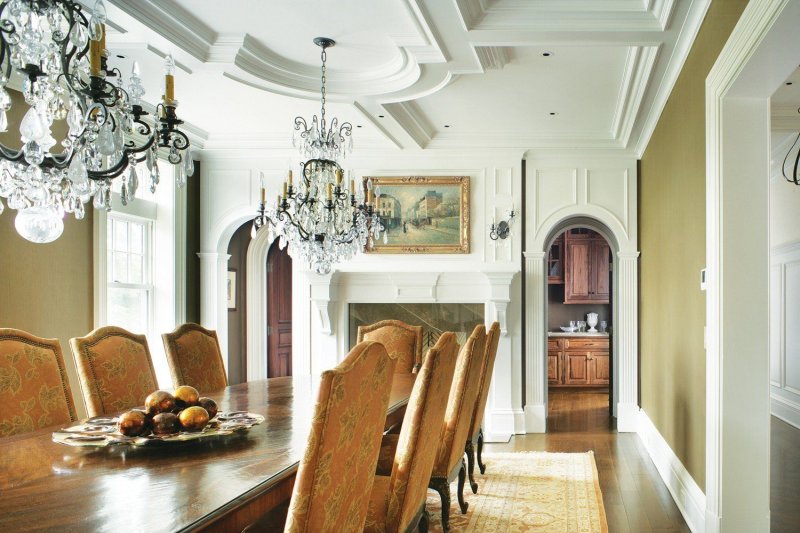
[223, 484]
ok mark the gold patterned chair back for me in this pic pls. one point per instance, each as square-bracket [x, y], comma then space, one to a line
[334, 480]
[492, 340]
[115, 368]
[194, 358]
[34, 390]
[460, 403]
[419, 438]
[402, 341]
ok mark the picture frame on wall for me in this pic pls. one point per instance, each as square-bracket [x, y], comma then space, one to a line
[230, 289]
[422, 214]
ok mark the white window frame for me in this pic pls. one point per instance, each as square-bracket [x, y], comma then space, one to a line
[167, 213]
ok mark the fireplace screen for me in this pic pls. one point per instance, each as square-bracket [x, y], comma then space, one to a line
[434, 318]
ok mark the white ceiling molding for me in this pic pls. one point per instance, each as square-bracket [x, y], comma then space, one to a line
[638, 68]
[171, 21]
[557, 15]
[474, 65]
[680, 52]
[408, 115]
[493, 57]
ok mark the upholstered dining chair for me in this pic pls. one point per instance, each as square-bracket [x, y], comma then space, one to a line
[194, 358]
[334, 481]
[115, 368]
[475, 435]
[402, 341]
[34, 390]
[397, 503]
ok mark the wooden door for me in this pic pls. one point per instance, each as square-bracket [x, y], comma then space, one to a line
[599, 369]
[576, 278]
[577, 369]
[600, 287]
[279, 312]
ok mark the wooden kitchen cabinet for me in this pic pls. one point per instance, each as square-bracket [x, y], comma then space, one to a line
[578, 362]
[555, 262]
[586, 268]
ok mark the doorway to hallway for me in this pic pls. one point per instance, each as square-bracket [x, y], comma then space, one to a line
[279, 312]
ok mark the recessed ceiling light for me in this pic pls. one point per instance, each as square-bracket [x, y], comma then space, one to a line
[120, 56]
[553, 113]
[788, 83]
[358, 125]
[380, 116]
[547, 54]
[447, 125]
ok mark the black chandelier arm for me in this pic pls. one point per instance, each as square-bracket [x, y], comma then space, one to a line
[301, 125]
[286, 217]
[122, 164]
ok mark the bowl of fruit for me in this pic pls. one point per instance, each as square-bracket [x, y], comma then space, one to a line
[166, 418]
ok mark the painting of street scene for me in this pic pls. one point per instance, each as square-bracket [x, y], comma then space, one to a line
[424, 214]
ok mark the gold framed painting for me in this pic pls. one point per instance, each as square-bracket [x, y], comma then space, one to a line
[423, 215]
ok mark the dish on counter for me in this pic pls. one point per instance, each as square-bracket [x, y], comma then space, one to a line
[568, 329]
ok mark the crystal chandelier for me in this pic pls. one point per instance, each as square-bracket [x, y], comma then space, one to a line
[320, 220]
[60, 56]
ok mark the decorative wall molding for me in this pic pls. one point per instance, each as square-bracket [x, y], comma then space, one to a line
[493, 57]
[784, 341]
[568, 191]
[684, 490]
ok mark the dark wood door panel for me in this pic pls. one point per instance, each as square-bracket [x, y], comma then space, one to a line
[279, 312]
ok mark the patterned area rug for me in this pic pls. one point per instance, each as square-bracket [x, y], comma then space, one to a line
[528, 491]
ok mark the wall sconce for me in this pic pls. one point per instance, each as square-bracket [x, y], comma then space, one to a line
[501, 230]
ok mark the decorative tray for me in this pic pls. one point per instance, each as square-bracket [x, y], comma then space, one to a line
[102, 431]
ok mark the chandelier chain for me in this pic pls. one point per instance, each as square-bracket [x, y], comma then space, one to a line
[323, 91]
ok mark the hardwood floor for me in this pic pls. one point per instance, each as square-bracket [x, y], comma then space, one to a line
[784, 501]
[635, 498]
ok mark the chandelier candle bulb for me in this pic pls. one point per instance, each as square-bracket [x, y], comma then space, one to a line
[290, 178]
[330, 191]
[263, 195]
[339, 177]
[284, 189]
[95, 54]
[169, 80]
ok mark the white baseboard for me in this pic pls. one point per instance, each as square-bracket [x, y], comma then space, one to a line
[786, 410]
[687, 494]
[535, 418]
[500, 424]
[627, 418]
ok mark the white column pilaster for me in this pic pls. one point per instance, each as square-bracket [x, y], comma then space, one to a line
[626, 342]
[535, 344]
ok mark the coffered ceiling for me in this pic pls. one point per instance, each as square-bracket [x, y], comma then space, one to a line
[415, 74]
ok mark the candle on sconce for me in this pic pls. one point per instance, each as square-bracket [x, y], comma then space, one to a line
[330, 191]
[169, 80]
[339, 175]
[284, 189]
[352, 186]
[263, 195]
[96, 52]
[291, 179]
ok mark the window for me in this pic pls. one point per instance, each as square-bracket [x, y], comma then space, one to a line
[139, 273]
[130, 288]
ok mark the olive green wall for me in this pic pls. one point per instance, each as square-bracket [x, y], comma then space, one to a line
[672, 243]
[47, 289]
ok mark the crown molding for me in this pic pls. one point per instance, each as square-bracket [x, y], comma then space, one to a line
[493, 57]
[683, 45]
[639, 67]
[556, 15]
[174, 23]
[785, 118]
[413, 121]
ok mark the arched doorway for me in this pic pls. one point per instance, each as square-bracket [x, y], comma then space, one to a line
[579, 311]
[279, 312]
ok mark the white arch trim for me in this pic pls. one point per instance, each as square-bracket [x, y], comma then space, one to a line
[624, 319]
[257, 306]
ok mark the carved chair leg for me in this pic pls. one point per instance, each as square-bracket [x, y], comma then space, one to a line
[480, 451]
[462, 476]
[424, 521]
[470, 451]
[441, 486]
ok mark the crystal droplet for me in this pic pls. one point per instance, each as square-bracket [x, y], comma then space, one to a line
[75, 119]
[78, 36]
[3, 120]
[105, 141]
[124, 194]
[77, 174]
[31, 127]
[34, 154]
[133, 180]
[5, 99]
[252, 228]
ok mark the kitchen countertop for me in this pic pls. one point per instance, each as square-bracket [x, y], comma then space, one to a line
[575, 334]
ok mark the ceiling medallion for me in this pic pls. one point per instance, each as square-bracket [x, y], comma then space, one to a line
[58, 53]
[319, 218]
